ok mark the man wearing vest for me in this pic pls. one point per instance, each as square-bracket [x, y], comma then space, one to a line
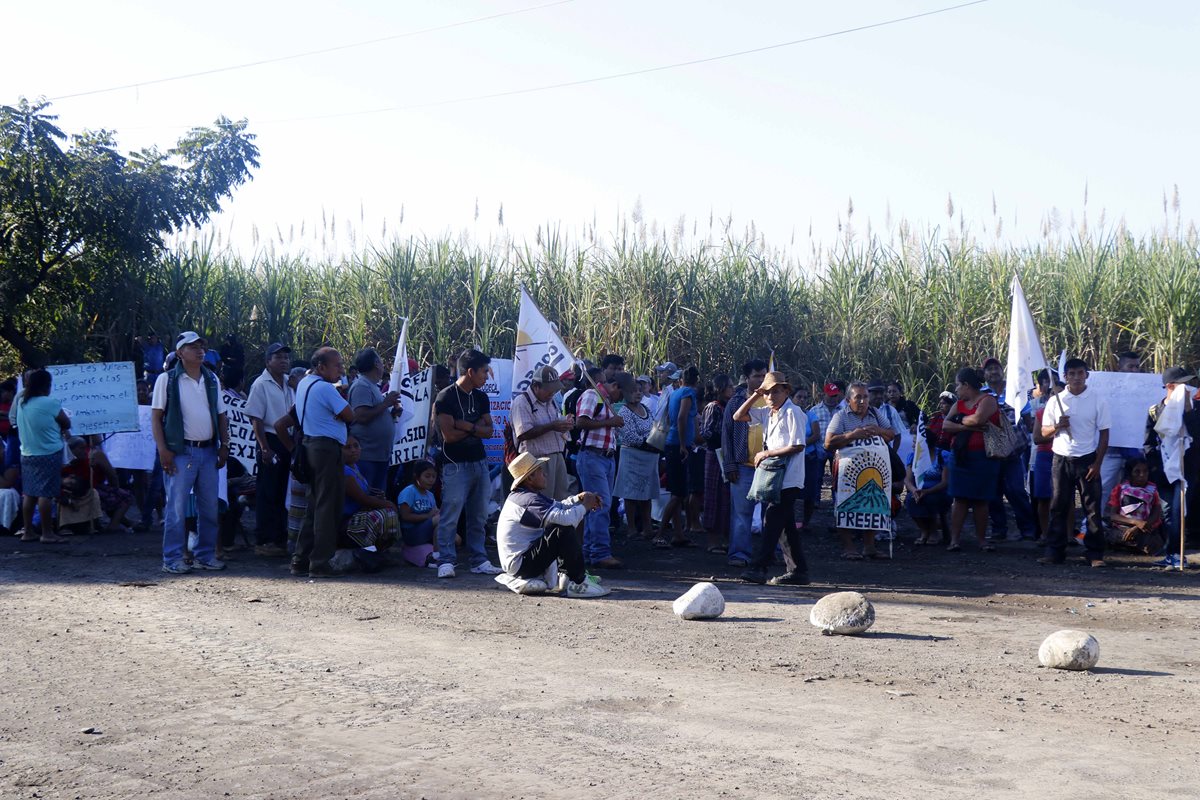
[541, 431]
[191, 430]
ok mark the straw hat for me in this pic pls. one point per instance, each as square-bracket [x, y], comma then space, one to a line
[523, 466]
[774, 379]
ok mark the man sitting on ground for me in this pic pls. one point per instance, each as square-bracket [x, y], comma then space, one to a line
[535, 533]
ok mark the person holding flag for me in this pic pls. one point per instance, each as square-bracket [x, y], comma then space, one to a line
[1171, 426]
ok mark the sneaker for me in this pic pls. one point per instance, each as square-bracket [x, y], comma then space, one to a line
[793, 578]
[482, 568]
[176, 568]
[208, 563]
[1170, 562]
[586, 590]
[1077, 539]
[270, 550]
[446, 571]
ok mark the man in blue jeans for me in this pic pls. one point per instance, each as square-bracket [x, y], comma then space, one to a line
[191, 429]
[464, 418]
[597, 464]
[739, 464]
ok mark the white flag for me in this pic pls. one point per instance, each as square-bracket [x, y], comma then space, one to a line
[922, 458]
[1025, 356]
[1062, 368]
[400, 381]
[1173, 439]
[538, 345]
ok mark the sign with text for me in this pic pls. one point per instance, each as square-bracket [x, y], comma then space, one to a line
[499, 392]
[99, 398]
[412, 426]
[242, 444]
[863, 495]
[133, 449]
[1130, 396]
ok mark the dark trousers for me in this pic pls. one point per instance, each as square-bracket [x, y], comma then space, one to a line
[560, 543]
[1177, 504]
[1012, 488]
[1069, 475]
[317, 541]
[779, 522]
[270, 496]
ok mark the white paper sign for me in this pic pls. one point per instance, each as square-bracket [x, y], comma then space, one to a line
[99, 398]
[133, 449]
[1130, 396]
[412, 426]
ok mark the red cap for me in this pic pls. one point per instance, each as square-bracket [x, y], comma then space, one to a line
[412, 365]
[832, 389]
[990, 360]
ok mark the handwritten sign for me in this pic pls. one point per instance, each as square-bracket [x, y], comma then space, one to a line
[133, 449]
[864, 484]
[242, 444]
[99, 398]
[499, 392]
[412, 427]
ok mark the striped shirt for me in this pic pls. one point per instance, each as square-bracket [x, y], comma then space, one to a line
[526, 414]
[820, 414]
[592, 407]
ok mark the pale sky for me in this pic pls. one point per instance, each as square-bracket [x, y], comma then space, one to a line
[1029, 102]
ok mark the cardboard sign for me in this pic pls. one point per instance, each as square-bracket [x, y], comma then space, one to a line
[864, 486]
[99, 398]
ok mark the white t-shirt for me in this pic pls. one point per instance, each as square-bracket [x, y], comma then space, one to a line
[1089, 415]
[786, 427]
[193, 402]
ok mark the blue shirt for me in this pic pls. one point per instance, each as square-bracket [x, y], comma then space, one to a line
[350, 507]
[319, 418]
[418, 502]
[673, 417]
[37, 424]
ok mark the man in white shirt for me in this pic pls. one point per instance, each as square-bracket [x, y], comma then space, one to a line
[1078, 419]
[191, 428]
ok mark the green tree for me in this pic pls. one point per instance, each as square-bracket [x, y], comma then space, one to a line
[85, 222]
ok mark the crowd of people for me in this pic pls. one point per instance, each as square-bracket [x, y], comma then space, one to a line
[672, 458]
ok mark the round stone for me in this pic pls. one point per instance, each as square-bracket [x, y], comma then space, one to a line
[702, 601]
[1068, 649]
[842, 612]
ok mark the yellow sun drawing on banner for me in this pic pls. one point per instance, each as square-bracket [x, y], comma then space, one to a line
[869, 475]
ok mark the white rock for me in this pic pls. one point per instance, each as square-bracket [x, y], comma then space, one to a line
[842, 612]
[702, 601]
[1068, 649]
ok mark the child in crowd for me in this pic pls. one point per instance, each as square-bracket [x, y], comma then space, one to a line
[419, 517]
[926, 499]
[1136, 511]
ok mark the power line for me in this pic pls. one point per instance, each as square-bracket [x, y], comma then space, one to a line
[631, 73]
[309, 53]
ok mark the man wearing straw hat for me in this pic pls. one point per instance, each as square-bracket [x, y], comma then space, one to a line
[536, 534]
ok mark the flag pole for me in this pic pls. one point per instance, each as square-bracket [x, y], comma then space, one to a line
[1182, 495]
[603, 397]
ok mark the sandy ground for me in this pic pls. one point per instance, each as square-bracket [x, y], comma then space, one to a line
[253, 684]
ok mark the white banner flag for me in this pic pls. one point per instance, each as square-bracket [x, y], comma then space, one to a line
[1025, 355]
[922, 459]
[400, 381]
[538, 345]
[1172, 435]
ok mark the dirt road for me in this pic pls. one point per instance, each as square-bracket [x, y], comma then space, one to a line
[253, 684]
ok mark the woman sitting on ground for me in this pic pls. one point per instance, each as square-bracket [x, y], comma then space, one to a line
[926, 498]
[371, 521]
[91, 464]
[1136, 511]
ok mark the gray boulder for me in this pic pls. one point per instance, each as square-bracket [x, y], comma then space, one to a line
[842, 612]
[702, 601]
[1068, 649]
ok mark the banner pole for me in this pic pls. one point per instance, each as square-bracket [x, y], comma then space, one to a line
[1182, 495]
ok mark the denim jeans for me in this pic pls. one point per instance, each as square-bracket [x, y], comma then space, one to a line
[596, 474]
[741, 514]
[1174, 506]
[466, 488]
[1012, 487]
[195, 471]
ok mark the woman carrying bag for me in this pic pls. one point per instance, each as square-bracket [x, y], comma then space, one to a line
[778, 479]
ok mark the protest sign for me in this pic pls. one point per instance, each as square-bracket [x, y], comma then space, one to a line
[864, 486]
[538, 345]
[99, 398]
[412, 426]
[1129, 396]
[499, 392]
[133, 449]
[242, 444]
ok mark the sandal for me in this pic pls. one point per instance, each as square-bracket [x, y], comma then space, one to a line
[852, 557]
[659, 543]
[989, 548]
[954, 548]
[923, 540]
[717, 550]
[877, 556]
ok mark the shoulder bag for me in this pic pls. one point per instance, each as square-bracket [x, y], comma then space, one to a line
[299, 467]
